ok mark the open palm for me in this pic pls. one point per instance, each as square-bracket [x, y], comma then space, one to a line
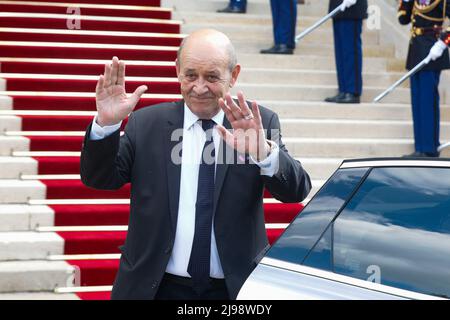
[113, 104]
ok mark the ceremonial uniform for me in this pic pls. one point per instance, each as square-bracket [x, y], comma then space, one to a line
[347, 29]
[284, 18]
[426, 18]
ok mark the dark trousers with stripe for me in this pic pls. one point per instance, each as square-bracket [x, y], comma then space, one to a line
[284, 18]
[241, 4]
[348, 54]
[425, 110]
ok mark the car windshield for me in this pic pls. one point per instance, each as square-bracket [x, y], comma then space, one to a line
[395, 230]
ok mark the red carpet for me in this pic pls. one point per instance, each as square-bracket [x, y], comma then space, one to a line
[94, 295]
[81, 52]
[96, 272]
[33, 102]
[72, 85]
[75, 189]
[58, 165]
[157, 40]
[85, 69]
[117, 214]
[90, 242]
[149, 13]
[155, 3]
[157, 47]
[88, 24]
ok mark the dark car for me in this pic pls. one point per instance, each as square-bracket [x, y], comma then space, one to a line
[377, 229]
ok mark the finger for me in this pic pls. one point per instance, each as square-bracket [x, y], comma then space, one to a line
[107, 75]
[243, 104]
[121, 74]
[226, 110]
[226, 136]
[233, 107]
[115, 70]
[134, 99]
[256, 113]
[100, 84]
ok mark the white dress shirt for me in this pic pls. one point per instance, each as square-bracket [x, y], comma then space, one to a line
[193, 141]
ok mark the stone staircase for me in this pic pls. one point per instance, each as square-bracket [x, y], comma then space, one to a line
[319, 134]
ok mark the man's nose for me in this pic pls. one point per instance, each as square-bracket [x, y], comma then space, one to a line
[200, 87]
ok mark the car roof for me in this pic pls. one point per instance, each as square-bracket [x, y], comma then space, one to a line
[396, 162]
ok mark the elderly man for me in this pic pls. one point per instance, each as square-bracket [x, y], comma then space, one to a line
[196, 228]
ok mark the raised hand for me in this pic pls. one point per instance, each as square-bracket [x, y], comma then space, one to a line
[248, 134]
[112, 102]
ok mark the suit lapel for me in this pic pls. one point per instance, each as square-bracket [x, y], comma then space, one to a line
[174, 122]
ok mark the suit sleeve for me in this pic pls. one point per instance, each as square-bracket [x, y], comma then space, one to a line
[405, 11]
[291, 183]
[107, 163]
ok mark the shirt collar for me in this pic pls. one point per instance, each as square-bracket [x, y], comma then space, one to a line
[190, 118]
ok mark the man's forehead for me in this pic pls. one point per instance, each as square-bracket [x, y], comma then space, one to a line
[206, 63]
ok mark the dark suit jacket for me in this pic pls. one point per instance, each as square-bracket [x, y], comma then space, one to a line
[357, 11]
[142, 156]
[420, 45]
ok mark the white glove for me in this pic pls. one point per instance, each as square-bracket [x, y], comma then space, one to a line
[437, 50]
[347, 4]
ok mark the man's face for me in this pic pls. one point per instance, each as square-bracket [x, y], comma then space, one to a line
[204, 75]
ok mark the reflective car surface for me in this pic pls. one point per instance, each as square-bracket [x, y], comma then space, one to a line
[378, 229]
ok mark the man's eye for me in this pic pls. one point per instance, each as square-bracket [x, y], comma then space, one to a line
[213, 78]
[190, 76]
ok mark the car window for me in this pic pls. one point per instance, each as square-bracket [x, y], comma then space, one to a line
[395, 231]
[308, 227]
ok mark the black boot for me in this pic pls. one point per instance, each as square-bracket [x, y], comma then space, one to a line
[340, 95]
[232, 9]
[348, 98]
[278, 49]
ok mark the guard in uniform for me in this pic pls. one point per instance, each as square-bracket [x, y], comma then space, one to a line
[427, 37]
[284, 19]
[235, 6]
[347, 29]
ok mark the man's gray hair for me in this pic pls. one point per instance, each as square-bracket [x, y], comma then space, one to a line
[231, 52]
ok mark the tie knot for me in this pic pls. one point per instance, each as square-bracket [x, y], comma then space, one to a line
[207, 124]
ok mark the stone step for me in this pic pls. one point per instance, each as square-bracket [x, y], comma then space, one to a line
[5, 103]
[316, 49]
[253, 7]
[14, 217]
[29, 245]
[9, 123]
[315, 93]
[264, 32]
[313, 77]
[14, 167]
[347, 148]
[20, 191]
[325, 63]
[20, 276]
[249, 19]
[38, 296]
[324, 128]
[10, 144]
[320, 168]
[364, 111]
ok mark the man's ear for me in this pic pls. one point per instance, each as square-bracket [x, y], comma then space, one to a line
[235, 75]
